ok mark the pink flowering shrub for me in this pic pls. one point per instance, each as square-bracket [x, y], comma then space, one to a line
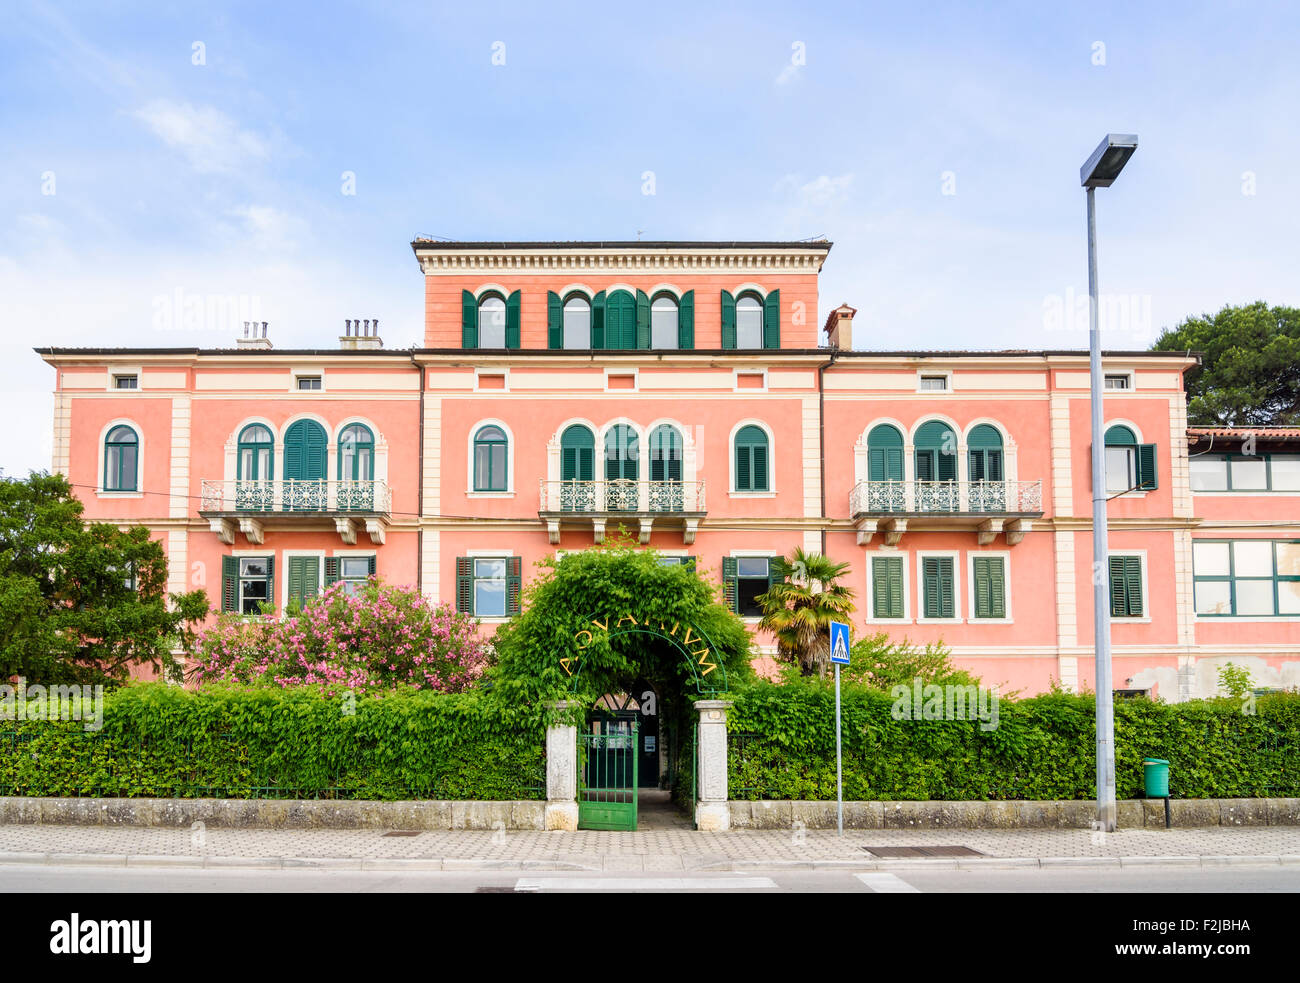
[377, 639]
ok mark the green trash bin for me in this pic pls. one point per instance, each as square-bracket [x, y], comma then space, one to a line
[1155, 778]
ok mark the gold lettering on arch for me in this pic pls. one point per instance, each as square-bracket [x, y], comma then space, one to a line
[626, 617]
[703, 661]
[582, 645]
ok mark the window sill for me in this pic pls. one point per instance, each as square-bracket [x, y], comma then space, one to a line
[1210, 618]
[748, 494]
[941, 621]
[992, 621]
[1117, 620]
[494, 620]
[487, 494]
[889, 621]
[118, 494]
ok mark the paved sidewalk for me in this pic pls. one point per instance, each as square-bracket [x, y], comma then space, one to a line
[650, 850]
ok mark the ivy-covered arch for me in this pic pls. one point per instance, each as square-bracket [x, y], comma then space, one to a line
[698, 652]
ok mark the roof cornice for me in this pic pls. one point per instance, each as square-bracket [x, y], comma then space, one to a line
[579, 258]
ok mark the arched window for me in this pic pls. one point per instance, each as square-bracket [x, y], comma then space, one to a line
[577, 454]
[884, 453]
[255, 460]
[121, 459]
[620, 320]
[751, 452]
[936, 452]
[749, 321]
[665, 454]
[492, 321]
[988, 493]
[356, 453]
[663, 322]
[577, 322]
[305, 444]
[491, 459]
[622, 460]
[1129, 465]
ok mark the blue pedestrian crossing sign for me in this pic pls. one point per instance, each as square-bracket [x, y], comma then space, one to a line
[839, 643]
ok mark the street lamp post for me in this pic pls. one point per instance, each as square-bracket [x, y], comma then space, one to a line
[1100, 171]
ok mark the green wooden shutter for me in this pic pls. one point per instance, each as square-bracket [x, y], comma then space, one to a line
[512, 320]
[371, 565]
[465, 584]
[514, 583]
[304, 578]
[229, 583]
[1146, 466]
[686, 321]
[468, 320]
[936, 577]
[295, 576]
[689, 563]
[760, 467]
[598, 320]
[642, 319]
[729, 582]
[887, 586]
[331, 570]
[1133, 585]
[990, 587]
[947, 466]
[270, 580]
[997, 587]
[728, 320]
[772, 320]
[743, 477]
[554, 320]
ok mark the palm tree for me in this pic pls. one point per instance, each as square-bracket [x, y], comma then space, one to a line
[801, 604]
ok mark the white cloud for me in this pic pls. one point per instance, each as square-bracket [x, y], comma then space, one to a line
[820, 192]
[210, 140]
[788, 74]
[268, 228]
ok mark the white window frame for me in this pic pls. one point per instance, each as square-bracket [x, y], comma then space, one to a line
[872, 556]
[1128, 374]
[284, 585]
[945, 374]
[503, 370]
[251, 554]
[1005, 556]
[732, 491]
[749, 619]
[100, 490]
[1141, 554]
[510, 460]
[634, 372]
[307, 373]
[955, 556]
[341, 555]
[736, 373]
[491, 554]
[123, 371]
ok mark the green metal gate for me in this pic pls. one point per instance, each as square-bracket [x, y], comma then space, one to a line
[607, 774]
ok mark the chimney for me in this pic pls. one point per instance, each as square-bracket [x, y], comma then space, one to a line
[839, 327]
[359, 334]
[254, 336]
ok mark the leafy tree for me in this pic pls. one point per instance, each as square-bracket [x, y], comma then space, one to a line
[877, 662]
[83, 604]
[376, 639]
[606, 583]
[801, 604]
[1250, 374]
[1235, 680]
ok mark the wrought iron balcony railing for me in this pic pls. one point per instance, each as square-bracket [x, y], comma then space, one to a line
[951, 497]
[292, 495]
[622, 495]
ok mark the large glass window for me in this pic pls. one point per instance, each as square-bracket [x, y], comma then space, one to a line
[490, 587]
[354, 571]
[491, 451]
[121, 456]
[749, 322]
[255, 460]
[577, 322]
[356, 453]
[1130, 466]
[1228, 472]
[254, 584]
[663, 322]
[492, 322]
[1246, 577]
[753, 579]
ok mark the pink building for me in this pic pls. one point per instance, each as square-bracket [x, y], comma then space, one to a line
[684, 392]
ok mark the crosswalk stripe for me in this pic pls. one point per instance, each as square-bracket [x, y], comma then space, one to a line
[887, 884]
[644, 883]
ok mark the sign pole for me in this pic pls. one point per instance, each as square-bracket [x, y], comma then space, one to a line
[839, 765]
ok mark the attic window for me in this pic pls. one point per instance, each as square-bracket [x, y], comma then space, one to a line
[934, 383]
[309, 382]
[126, 381]
[1118, 382]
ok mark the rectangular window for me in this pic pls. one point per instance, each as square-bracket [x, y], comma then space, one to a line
[351, 571]
[934, 383]
[1114, 382]
[1121, 469]
[1246, 578]
[677, 561]
[1244, 473]
[309, 382]
[990, 584]
[126, 382]
[488, 586]
[745, 579]
[1125, 587]
[254, 583]
[887, 587]
[937, 589]
[1209, 472]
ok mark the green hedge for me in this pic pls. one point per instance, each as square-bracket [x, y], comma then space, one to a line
[226, 742]
[782, 746]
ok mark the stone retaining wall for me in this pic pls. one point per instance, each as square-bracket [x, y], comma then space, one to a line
[275, 813]
[1133, 814]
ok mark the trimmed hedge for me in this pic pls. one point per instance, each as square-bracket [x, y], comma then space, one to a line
[227, 742]
[782, 746]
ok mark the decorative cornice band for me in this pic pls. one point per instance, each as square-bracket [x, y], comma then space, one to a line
[627, 261]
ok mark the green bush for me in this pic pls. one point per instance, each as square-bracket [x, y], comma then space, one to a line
[782, 746]
[228, 742]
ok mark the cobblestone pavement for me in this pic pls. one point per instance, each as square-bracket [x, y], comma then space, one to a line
[673, 849]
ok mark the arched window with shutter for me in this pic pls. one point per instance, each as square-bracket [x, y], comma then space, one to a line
[121, 460]
[491, 459]
[752, 460]
[1130, 466]
[987, 474]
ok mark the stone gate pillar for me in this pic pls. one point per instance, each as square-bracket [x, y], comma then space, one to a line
[712, 813]
[561, 769]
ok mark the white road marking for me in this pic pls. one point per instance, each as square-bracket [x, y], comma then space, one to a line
[887, 884]
[644, 883]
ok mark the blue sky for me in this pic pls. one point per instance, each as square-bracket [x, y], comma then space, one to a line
[938, 145]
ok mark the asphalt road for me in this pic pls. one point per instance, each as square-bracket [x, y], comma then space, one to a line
[18, 878]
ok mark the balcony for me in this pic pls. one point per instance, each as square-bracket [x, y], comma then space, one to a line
[675, 504]
[988, 507]
[251, 505]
